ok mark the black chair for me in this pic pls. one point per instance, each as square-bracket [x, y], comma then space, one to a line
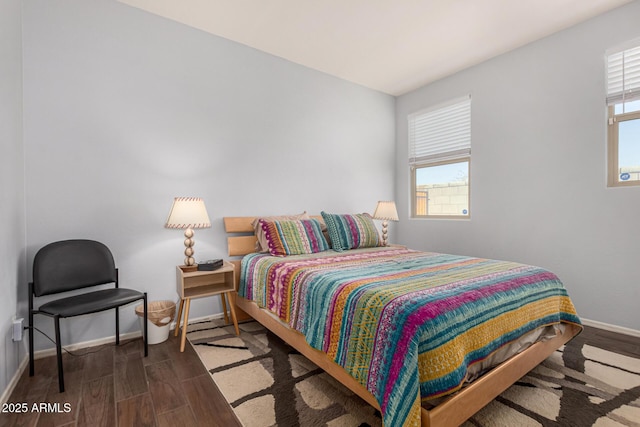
[75, 264]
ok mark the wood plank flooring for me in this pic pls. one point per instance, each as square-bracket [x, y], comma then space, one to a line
[117, 386]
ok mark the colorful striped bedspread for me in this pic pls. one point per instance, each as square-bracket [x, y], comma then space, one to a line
[405, 324]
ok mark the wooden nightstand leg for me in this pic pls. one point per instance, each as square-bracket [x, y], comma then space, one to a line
[233, 314]
[179, 318]
[224, 307]
[185, 324]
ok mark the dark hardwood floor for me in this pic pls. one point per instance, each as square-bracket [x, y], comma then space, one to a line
[620, 343]
[117, 386]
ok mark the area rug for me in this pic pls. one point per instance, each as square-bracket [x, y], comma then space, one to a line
[268, 383]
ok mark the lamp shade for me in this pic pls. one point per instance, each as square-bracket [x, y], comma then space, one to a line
[188, 212]
[386, 211]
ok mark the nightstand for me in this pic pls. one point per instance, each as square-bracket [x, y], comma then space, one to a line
[198, 284]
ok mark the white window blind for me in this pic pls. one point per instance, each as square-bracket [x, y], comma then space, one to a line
[623, 75]
[440, 133]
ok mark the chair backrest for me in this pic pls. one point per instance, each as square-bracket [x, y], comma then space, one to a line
[72, 264]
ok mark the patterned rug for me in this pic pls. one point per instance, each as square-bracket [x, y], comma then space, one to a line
[267, 383]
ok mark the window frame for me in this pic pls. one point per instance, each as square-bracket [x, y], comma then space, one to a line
[612, 149]
[622, 72]
[458, 152]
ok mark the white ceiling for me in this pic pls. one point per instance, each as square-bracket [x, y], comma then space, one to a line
[393, 46]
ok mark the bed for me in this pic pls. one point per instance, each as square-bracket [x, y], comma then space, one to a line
[329, 304]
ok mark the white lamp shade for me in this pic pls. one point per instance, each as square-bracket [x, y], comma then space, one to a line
[188, 212]
[386, 211]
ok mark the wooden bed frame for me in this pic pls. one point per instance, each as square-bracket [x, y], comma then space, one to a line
[452, 411]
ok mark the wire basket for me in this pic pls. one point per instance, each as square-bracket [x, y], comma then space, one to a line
[159, 313]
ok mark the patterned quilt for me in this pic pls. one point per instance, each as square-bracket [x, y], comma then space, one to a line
[405, 324]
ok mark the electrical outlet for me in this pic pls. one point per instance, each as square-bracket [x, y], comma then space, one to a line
[18, 327]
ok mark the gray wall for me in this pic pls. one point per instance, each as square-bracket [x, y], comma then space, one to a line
[539, 137]
[12, 228]
[125, 110]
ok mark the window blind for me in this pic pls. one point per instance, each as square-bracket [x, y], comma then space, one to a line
[623, 75]
[440, 133]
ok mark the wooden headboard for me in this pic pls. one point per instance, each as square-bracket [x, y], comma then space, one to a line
[242, 240]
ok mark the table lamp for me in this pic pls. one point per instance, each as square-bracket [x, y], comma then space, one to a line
[188, 213]
[386, 211]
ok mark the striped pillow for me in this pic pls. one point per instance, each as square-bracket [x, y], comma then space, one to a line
[261, 244]
[351, 231]
[294, 237]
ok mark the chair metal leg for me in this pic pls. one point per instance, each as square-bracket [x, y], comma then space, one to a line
[31, 361]
[56, 320]
[146, 340]
[117, 326]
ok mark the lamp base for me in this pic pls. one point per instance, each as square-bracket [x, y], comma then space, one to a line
[385, 224]
[188, 248]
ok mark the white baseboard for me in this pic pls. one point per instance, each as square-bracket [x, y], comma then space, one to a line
[14, 381]
[81, 345]
[40, 354]
[107, 340]
[611, 328]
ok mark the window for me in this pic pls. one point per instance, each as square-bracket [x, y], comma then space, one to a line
[623, 102]
[439, 160]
